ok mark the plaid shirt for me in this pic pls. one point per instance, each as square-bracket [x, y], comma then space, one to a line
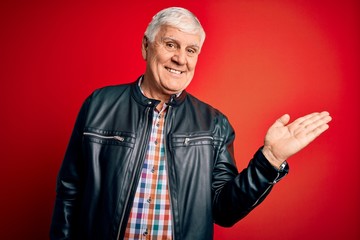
[150, 216]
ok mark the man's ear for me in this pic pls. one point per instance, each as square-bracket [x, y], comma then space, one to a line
[144, 47]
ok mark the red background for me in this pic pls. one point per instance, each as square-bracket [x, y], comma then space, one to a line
[261, 59]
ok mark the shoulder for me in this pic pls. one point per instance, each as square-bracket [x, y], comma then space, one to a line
[108, 94]
[198, 111]
[111, 91]
[202, 106]
[197, 115]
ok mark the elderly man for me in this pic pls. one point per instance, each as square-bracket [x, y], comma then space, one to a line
[147, 160]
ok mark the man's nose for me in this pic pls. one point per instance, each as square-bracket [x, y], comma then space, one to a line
[179, 57]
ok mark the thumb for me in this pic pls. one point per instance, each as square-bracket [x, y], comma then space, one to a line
[282, 121]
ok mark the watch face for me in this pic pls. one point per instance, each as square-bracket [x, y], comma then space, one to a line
[283, 165]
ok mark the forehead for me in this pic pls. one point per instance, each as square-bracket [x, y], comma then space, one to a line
[172, 33]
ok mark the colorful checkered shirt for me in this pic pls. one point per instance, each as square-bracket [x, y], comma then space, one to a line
[150, 216]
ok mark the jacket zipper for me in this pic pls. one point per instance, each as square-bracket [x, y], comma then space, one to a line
[167, 159]
[136, 167]
[267, 189]
[189, 139]
[116, 137]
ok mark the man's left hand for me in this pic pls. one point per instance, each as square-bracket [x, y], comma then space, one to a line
[284, 139]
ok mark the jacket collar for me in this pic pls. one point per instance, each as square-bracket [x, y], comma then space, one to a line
[140, 98]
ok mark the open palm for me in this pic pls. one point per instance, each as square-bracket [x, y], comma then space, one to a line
[282, 140]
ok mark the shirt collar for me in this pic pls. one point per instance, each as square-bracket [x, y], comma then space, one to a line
[140, 82]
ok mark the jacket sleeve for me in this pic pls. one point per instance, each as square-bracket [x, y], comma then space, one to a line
[236, 194]
[69, 183]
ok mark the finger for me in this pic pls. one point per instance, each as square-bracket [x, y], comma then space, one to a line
[319, 130]
[309, 119]
[322, 116]
[325, 113]
[302, 120]
[282, 121]
[311, 136]
[317, 123]
[316, 120]
[325, 117]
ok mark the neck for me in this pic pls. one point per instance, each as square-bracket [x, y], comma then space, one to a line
[153, 94]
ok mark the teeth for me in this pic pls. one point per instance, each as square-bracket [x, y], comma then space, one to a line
[173, 71]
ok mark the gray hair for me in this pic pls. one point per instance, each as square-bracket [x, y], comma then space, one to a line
[180, 18]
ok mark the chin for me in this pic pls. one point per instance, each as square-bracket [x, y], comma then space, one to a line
[172, 92]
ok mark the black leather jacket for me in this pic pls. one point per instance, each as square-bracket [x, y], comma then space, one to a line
[98, 178]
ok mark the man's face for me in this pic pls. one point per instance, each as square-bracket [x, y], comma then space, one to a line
[171, 60]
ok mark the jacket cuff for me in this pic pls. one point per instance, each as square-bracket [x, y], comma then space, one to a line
[276, 174]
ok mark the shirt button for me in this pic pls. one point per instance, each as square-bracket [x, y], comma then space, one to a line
[153, 170]
[156, 142]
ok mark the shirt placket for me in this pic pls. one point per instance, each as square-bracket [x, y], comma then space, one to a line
[152, 190]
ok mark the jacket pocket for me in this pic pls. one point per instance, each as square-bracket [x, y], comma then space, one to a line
[186, 140]
[109, 137]
[107, 155]
[192, 152]
[193, 157]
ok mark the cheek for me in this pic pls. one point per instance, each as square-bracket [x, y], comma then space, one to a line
[161, 56]
[192, 64]
[153, 59]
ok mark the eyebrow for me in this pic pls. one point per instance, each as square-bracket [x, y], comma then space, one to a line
[195, 45]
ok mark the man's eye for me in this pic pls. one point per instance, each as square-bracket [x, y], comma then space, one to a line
[191, 51]
[170, 45]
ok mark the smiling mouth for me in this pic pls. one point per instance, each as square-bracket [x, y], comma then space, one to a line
[173, 70]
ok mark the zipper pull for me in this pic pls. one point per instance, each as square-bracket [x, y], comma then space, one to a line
[172, 99]
[121, 139]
